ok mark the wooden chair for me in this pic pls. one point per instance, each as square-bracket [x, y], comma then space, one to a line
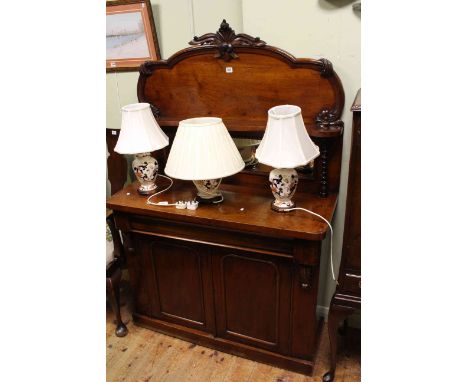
[114, 262]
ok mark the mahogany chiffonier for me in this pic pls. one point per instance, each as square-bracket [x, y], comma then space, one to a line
[347, 297]
[236, 276]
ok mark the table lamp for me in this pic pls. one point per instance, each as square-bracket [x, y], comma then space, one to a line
[140, 134]
[204, 152]
[285, 145]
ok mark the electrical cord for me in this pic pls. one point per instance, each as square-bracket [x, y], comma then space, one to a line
[331, 236]
[219, 201]
[148, 201]
[177, 204]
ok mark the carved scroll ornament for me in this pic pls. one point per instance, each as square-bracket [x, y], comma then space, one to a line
[329, 119]
[327, 68]
[225, 39]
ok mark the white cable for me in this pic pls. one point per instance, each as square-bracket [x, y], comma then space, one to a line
[148, 201]
[219, 201]
[331, 236]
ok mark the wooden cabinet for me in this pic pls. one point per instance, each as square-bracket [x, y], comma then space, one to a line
[350, 267]
[347, 297]
[248, 293]
[235, 276]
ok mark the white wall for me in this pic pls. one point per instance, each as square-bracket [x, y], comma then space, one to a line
[305, 28]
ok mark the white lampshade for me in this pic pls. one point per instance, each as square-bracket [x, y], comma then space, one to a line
[203, 149]
[286, 143]
[139, 133]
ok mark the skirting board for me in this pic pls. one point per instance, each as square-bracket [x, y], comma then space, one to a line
[354, 320]
[322, 311]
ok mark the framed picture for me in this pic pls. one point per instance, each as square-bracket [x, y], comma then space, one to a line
[130, 35]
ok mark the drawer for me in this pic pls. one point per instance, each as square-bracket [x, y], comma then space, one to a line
[210, 235]
[351, 282]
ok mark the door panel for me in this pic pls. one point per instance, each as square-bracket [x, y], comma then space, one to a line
[252, 298]
[141, 282]
[181, 282]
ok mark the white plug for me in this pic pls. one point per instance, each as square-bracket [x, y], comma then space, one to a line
[192, 205]
[181, 205]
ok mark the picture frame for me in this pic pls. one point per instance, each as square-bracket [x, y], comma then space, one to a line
[131, 37]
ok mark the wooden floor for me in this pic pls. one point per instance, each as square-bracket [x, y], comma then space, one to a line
[144, 355]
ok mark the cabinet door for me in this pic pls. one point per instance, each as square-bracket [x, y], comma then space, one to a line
[181, 285]
[141, 281]
[252, 295]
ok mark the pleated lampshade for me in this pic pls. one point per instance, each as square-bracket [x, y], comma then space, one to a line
[286, 143]
[139, 133]
[203, 149]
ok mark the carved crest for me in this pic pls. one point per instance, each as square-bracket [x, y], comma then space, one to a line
[226, 39]
[328, 119]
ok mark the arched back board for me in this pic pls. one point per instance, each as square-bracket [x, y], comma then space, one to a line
[238, 77]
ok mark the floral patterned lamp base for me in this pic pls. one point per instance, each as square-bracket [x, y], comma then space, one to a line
[145, 168]
[208, 192]
[283, 184]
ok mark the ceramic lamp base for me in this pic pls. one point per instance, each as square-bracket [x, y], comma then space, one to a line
[208, 192]
[283, 184]
[147, 190]
[282, 207]
[145, 168]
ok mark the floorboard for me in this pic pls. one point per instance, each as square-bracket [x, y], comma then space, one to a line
[147, 356]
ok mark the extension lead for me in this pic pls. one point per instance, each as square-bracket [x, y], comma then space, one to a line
[331, 236]
[181, 205]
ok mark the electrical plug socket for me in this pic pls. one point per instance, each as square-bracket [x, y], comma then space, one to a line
[181, 205]
[192, 205]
